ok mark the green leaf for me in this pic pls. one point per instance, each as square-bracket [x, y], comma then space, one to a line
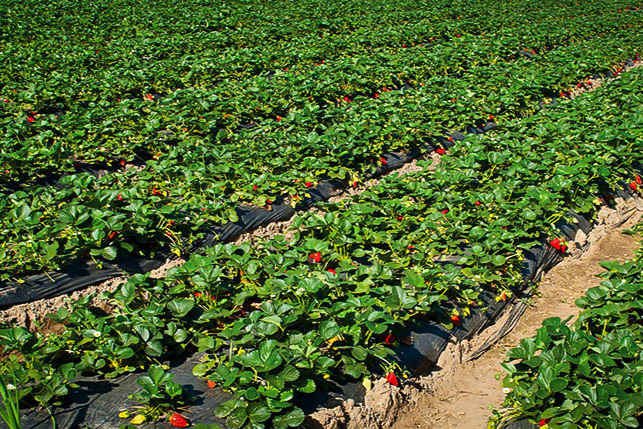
[179, 307]
[109, 253]
[258, 412]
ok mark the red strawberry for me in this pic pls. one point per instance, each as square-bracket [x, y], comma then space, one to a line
[563, 248]
[458, 36]
[315, 257]
[392, 379]
[197, 294]
[268, 201]
[383, 160]
[330, 270]
[450, 139]
[543, 422]
[6, 100]
[149, 96]
[112, 235]
[390, 339]
[211, 384]
[533, 51]
[453, 100]
[285, 69]
[354, 184]
[316, 64]
[308, 184]
[638, 180]
[445, 211]
[633, 185]
[440, 151]
[119, 197]
[400, 218]
[254, 187]
[122, 162]
[30, 119]
[178, 421]
[404, 46]
[503, 296]
[477, 203]
[491, 117]
[376, 95]
[555, 243]
[561, 94]
[347, 100]
[455, 319]
[580, 85]
[278, 118]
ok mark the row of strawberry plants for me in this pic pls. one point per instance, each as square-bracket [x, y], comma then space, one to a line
[285, 316]
[589, 373]
[54, 143]
[91, 54]
[166, 201]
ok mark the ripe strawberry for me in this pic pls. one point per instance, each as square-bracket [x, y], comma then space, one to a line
[491, 117]
[533, 51]
[354, 184]
[477, 203]
[278, 118]
[178, 421]
[112, 235]
[149, 96]
[308, 184]
[30, 119]
[543, 422]
[634, 186]
[254, 187]
[458, 36]
[392, 379]
[445, 211]
[404, 46]
[122, 162]
[286, 69]
[211, 384]
[347, 100]
[315, 257]
[503, 296]
[197, 294]
[317, 64]
[400, 218]
[455, 319]
[376, 95]
[119, 197]
[383, 161]
[330, 270]
[440, 151]
[555, 243]
[390, 339]
[638, 180]
[580, 85]
[450, 138]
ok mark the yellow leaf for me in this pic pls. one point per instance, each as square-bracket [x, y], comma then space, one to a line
[367, 384]
[124, 414]
[139, 419]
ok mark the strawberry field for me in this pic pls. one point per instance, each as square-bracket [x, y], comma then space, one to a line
[137, 130]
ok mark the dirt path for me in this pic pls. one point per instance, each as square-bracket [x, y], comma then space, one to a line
[461, 394]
